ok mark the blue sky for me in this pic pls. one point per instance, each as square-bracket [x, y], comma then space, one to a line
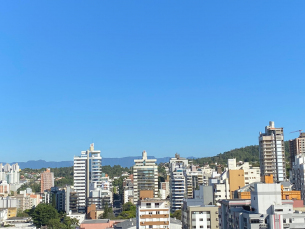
[193, 77]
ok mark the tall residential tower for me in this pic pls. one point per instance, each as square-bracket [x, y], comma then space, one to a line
[87, 170]
[296, 147]
[177, 183]
[145, 176]
[272, 153]
[47, 180]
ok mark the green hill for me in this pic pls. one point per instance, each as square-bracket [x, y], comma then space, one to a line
[247, 154]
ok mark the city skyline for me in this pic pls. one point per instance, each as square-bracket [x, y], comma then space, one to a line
[165, 77]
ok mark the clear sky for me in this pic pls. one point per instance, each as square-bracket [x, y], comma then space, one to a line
[195, 77]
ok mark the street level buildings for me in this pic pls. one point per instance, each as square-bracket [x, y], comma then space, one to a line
[265, 209]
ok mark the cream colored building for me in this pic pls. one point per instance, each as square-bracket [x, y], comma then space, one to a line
[272, 153]
[145, 176]
[153, 213]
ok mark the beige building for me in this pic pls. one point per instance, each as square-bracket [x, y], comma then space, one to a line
[199, 216]
[272, 153]
[296, 147]
[47, 180]
[153, 213]
[145, 176]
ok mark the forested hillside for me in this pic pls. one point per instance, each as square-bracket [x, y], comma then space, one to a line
[248, 154]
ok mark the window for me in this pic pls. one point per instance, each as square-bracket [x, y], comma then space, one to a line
[157, 205]
[148, 205]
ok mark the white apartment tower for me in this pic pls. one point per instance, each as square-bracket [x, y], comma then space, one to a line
[145, 176]
[272, 153]
[87, 169]
[177, 181]
[10, 173]
[297, 175]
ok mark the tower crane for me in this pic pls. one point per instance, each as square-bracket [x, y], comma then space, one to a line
[297, 131]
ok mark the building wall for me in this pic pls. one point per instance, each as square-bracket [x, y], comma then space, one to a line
[236, 180]
[145, 176]
[177, 182]
[298, 174]
[272, 153]
[200, 217]
[47, 180]
[153, 213]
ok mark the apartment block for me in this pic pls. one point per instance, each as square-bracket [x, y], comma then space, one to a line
[234, 177]
[10, 173]
[153, 213]
[145, 176]
[4, 188]
[272, 153]
[265, 209]
[47, 180]
[87, 170]
[196, 215]
[177, 181]
[194, 178]
[297, 176]
[296, 147]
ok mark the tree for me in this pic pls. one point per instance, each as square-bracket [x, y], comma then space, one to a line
[108, 213]
[129, 211]
[22, 213]
[43, 213]
[176, 214]
[55, 224]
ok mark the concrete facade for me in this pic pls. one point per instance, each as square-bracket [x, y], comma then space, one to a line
[87, 170]
[145, 176]
[298, 174]
[153, 213]
[199, 216]
[296, 147]
[272, 153]
[177, 181]
[265, 209]
[47, 180]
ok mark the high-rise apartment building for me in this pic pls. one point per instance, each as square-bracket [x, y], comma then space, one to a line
[145, 176]
[47, 180]
[87, 169]
[296, 147]
[272, 153]
[177, 181]
[297, 175]
[10, 173]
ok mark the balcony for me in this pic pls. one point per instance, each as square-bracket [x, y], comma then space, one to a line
[154, 216]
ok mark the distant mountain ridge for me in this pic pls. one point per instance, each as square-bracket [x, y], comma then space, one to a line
[247, 153]
[124, 162]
